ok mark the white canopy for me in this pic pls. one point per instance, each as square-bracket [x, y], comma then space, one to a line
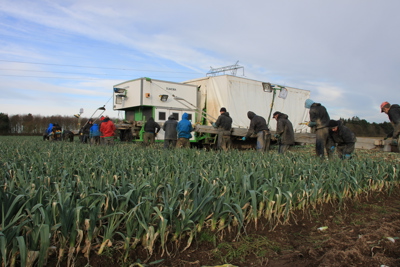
[240, 95]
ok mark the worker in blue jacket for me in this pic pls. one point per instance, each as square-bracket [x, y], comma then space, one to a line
[184, 128]
[95, 134]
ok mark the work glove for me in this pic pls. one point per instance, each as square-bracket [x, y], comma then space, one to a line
[277, 136]
[394, 142]
[346, 156]
[214, 125]
[312, 124]
[244, 138]
[332, 148]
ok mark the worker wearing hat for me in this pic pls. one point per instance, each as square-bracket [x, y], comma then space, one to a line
[224, 125]
[319, 120]
[342, 138]
[393, 112]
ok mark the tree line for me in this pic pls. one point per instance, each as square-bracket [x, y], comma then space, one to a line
[362, 128]
[28, 124]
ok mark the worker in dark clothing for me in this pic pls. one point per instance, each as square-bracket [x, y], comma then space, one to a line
[224, 125]
[151, 129]
[393, 112]
[171, 135]
[342, 138]
[86, 131]
[258, 125]
[284, 132]
[319, 120]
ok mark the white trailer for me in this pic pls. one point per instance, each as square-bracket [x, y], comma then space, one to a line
[240, 95]
[202, 99]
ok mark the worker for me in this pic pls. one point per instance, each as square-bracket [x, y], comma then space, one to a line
[151, 129]
[94, 134]
[101, 134]
[107, 129]
[342, 138]
[184, 128]
[224, 125]
[258, 125]
[56, 131]
[393, 112]
[86, 131]
[48, 132]
[284, 132]
[319, 120]
[170, 135]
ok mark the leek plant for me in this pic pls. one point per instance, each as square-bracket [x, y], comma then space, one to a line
[77, 197]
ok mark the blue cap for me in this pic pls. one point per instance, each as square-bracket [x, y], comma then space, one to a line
[308, 103]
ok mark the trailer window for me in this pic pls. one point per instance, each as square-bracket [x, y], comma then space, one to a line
[161, 116]
[118, 100]
[176, 116]
[189, 117]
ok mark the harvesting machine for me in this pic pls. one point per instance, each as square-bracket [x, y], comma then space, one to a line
[202, 99]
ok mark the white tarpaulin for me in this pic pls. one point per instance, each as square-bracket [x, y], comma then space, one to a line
[240, 95]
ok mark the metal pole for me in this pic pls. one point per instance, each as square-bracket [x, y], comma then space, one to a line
[272, 104]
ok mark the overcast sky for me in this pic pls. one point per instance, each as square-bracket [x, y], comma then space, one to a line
[59, 56]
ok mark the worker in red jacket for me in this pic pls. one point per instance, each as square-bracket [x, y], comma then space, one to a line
[107, 129]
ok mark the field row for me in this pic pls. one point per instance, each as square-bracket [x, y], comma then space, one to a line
[77, 199]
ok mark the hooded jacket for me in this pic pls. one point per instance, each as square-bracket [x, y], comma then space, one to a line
[343, 135]
[285, 129]
[107, 128]
[151, 126]
[319, 115]
[169, 128]
[257, 124]
[184, 127]
[94, 130]
[224, 121]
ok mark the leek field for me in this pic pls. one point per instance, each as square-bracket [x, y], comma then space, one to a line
[70, 199]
